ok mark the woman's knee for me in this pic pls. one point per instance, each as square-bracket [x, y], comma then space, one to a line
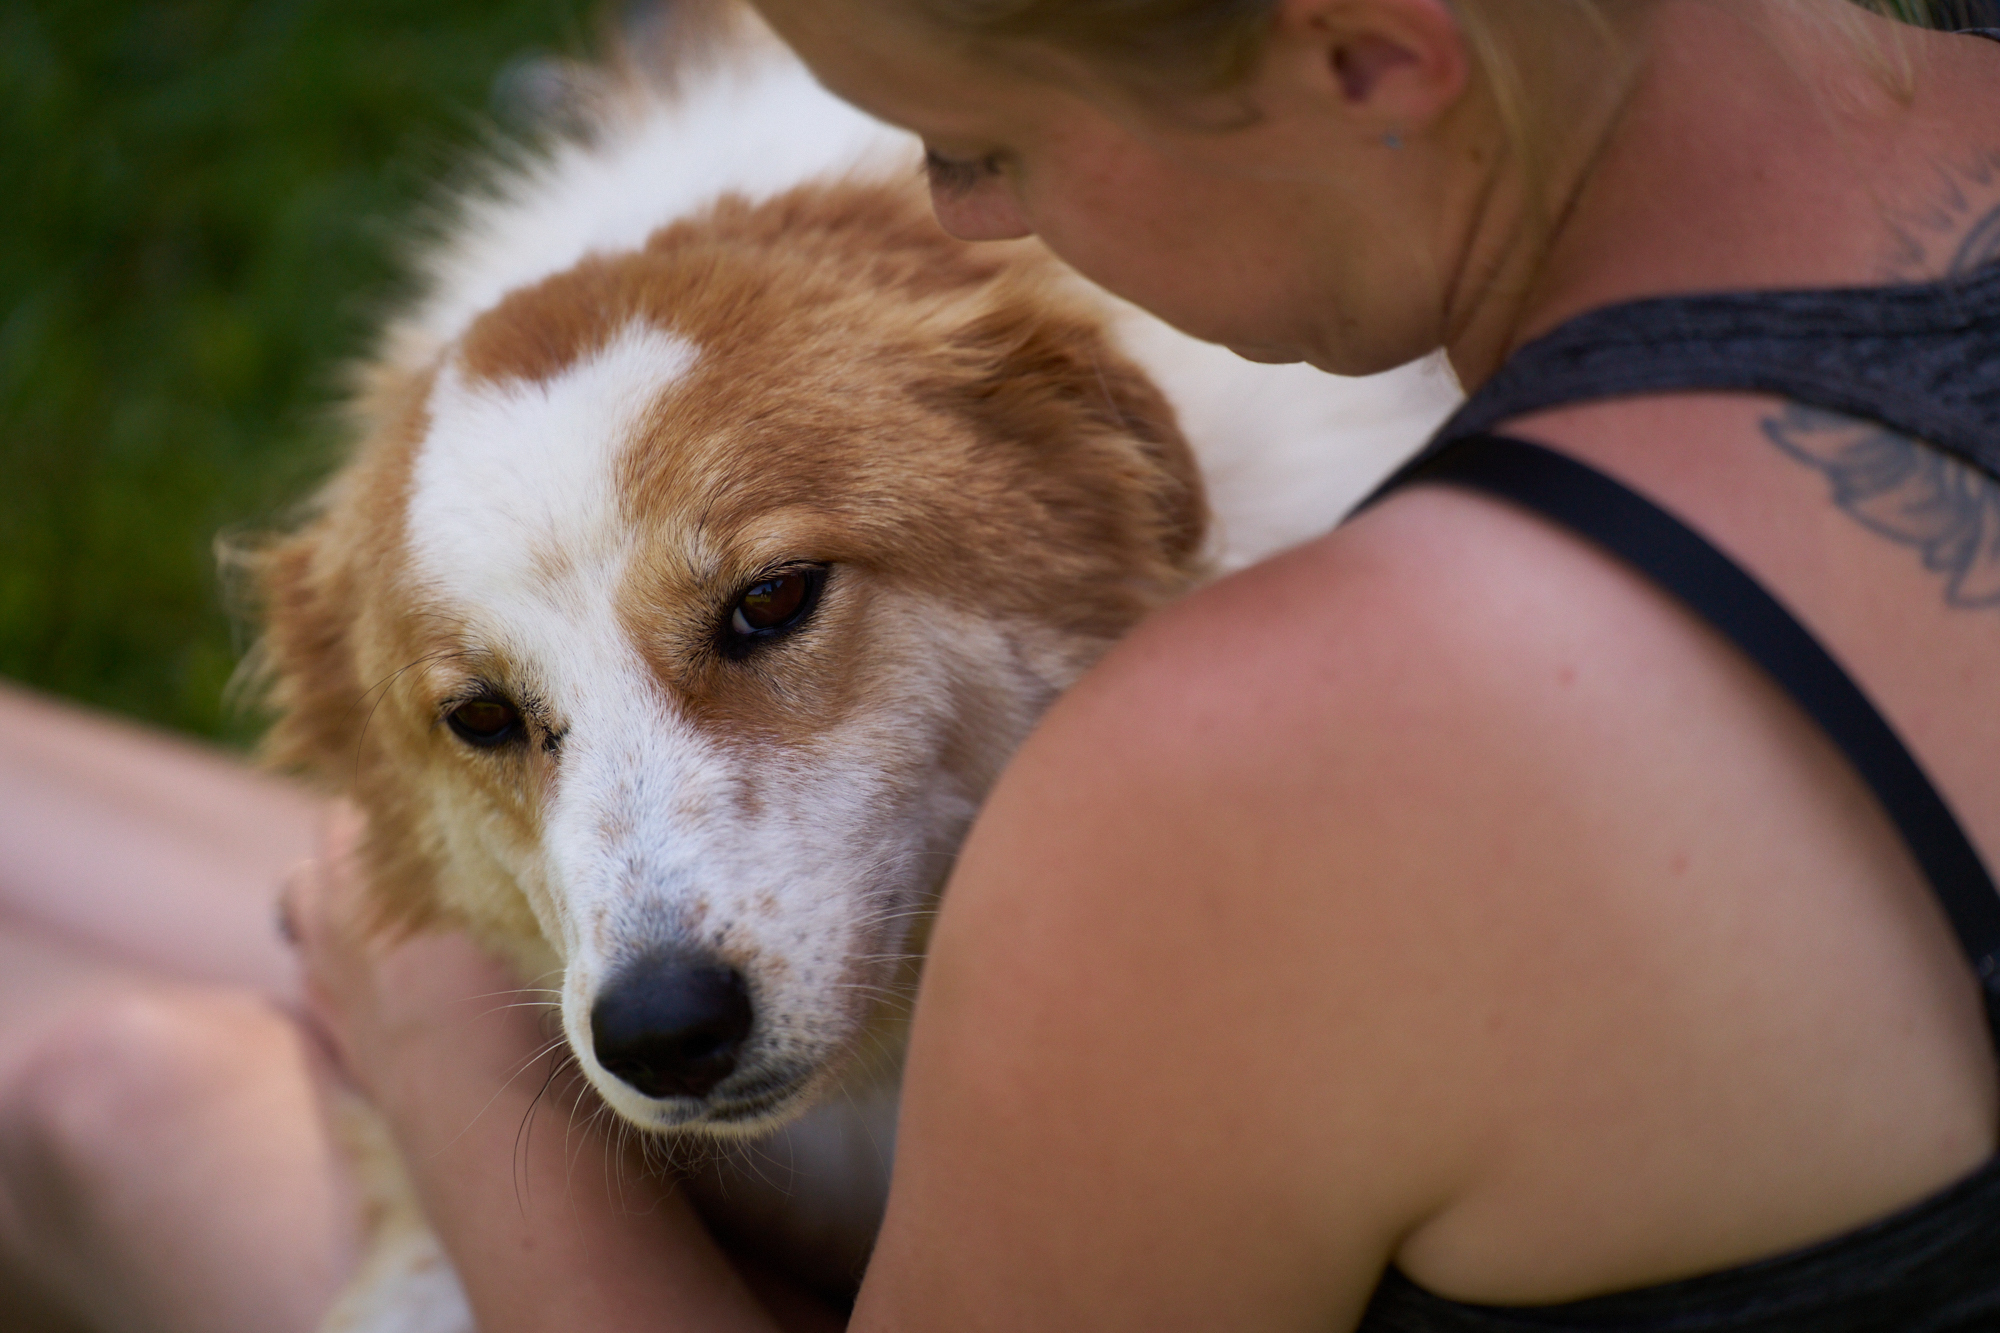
[165, 1163]
[122, 1075]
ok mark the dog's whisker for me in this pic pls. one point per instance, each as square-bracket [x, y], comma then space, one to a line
[381, 691]
[519, 1004]
[546, 1050]
[888, 994]
[517, 990]
[871, 920]
[573, 1144]
[762, 1161]
[498, 1092]
[524, 1136]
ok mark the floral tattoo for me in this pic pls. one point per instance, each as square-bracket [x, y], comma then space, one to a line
[1902, 488]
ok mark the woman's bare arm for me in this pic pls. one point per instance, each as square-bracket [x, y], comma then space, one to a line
[144, 847]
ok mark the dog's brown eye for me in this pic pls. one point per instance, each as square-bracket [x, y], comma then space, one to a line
[485, 721]
[774, 605]
[771, 603]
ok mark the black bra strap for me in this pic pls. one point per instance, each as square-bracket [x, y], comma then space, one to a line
[1638, 531]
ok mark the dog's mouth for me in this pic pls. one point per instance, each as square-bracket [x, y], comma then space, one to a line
[754, 1102]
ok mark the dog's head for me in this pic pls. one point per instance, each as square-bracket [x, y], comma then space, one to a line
[671, 624]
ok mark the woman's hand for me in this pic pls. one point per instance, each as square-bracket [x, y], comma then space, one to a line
[404, 1015]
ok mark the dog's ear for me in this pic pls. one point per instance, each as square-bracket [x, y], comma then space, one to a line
[312, 587]
[1051, 381]
[310, 679]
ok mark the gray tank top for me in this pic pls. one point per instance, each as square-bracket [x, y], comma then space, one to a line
[1924, 360]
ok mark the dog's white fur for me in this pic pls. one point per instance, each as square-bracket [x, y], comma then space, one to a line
[808, 858]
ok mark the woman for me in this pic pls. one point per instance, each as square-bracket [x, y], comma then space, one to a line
[1440, 917]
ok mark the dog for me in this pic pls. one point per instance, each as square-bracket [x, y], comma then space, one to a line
[717, 528]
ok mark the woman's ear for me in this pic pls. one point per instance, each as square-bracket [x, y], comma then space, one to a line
[1392, 65]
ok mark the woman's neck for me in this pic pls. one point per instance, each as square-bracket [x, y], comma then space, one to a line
[1753, 147]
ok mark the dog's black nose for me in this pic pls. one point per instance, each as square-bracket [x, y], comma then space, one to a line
[671, 1023]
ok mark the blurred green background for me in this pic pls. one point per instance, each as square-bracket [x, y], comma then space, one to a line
[200, 202]
[200, 206]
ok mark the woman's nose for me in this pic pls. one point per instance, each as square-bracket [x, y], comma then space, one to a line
[989, 211]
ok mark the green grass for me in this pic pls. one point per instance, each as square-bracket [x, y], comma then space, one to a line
[199, 204]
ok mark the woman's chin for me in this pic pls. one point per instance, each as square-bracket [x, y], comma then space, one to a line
[1268, 356]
